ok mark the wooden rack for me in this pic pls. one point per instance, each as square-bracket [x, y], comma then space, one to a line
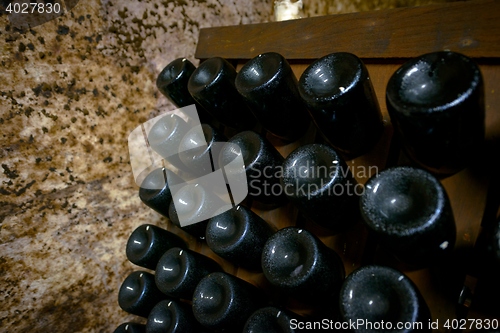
[384, 40]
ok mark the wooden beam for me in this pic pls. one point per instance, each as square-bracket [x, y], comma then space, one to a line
[472, 28]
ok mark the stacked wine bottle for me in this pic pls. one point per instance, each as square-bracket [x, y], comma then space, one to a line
[267, 274]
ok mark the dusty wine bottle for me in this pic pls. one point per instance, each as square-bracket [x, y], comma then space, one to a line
[301, 266]
[173, 317]
[179, 271]
[269, 87]
[148, 243]
[436, 103]
[238, 235]
[263, 166]
[138, 293]
[319, 183]
[410, 213]
[224, 302]
[130, 328]
[340, 98]
[379, 295]
[212, 86]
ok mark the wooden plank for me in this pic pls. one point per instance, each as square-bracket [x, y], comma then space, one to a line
[469, 27]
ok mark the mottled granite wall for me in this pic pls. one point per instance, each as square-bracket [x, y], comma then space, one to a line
[71, 91]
